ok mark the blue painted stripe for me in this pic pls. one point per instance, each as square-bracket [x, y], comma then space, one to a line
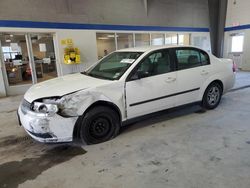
[54, 25]
[240, 27]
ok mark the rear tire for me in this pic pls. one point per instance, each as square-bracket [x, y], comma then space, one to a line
[98, 125]
[212, 96]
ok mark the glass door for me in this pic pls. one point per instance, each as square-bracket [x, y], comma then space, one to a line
[236, 52]
[16, 64]
[26, 59]
[44, 56]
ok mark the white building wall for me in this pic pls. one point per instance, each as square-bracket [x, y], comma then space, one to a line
[85, 40]
[237, 21]
[238, 13]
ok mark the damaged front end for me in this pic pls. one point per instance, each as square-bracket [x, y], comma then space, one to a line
[53, 119]
[48, 119]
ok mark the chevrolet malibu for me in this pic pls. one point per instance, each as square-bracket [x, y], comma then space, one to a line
[125, 85]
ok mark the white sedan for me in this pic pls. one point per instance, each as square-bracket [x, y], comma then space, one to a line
[124, 85]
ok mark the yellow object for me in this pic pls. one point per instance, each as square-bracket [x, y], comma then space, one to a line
[78, 59]
[69, 42]
[63, 42]
[66, 59]
[72, 55]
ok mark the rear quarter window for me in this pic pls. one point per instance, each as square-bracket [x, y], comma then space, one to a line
[204, 58]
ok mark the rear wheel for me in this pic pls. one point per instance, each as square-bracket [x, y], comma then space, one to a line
[99, 125]
[212, 96]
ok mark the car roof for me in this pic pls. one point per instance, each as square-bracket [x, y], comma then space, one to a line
[151, 48]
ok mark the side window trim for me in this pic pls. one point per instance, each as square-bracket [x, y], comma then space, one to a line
[128, 79]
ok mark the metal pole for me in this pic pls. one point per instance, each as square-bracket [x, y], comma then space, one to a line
[134, 39]
[116, 42]
[31, 58]
[4, 72]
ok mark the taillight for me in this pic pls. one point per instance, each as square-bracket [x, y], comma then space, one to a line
[234, 67]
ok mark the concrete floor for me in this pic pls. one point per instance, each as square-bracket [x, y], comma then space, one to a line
[186, 148]
[242, 79]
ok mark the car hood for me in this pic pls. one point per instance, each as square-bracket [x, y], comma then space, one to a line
[62, 85]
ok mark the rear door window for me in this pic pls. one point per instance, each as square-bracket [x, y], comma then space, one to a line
[189, 58]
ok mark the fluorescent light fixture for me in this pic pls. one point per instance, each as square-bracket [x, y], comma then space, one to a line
[7, 40]
[112, 36]
[103, 38]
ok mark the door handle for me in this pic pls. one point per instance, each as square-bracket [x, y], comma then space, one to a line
[170, 79]
[204, 72]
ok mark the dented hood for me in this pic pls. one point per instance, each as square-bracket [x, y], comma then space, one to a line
[62, 85]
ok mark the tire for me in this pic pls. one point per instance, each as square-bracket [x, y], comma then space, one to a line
[212, 96]
[98, 125]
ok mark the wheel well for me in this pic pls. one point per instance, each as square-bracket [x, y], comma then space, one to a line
[98, 103]
[218, 82]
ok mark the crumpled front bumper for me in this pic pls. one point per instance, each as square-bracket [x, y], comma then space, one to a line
[46, 128]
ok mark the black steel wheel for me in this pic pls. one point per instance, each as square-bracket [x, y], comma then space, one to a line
[98, 125]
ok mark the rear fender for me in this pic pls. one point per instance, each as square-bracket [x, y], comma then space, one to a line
[211, 79]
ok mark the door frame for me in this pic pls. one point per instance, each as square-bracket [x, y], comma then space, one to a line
[154, 77]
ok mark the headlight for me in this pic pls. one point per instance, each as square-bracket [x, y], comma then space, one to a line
[44, 108]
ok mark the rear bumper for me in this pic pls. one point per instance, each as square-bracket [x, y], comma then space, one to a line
[228, 82]
[46, 128]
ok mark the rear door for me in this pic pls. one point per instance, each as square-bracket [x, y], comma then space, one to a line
[153, 91]
[193, 69]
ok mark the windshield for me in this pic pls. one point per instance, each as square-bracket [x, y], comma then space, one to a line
[114, 65]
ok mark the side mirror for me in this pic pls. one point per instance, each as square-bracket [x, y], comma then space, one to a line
[139, 74]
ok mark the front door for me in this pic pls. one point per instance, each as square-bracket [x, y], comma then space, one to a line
[151, 86]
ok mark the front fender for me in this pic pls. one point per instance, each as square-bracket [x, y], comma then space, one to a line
[75, 104]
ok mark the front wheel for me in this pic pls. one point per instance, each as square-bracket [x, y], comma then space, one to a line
[99, 125]
[212, 96]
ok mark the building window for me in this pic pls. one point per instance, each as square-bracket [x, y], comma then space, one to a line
[142, 39]
[201, 42]
[124, 40]
[157, 39]
[171, 39]
[237, 43]
[183, 39]
[105, 44]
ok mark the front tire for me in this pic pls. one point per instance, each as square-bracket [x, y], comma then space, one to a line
[98, 125]
[212, 96]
